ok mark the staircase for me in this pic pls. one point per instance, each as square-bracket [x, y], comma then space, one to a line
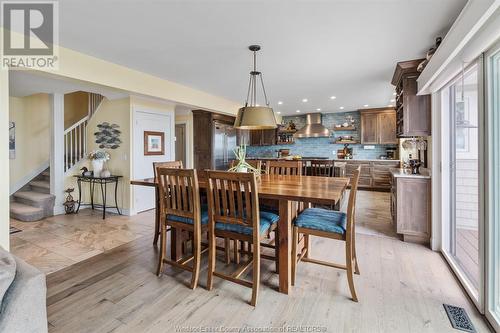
[33, 202]
[75, 137]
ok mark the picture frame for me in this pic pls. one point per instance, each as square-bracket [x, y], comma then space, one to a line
[154, 143]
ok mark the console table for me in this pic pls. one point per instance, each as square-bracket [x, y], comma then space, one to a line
[102, 182]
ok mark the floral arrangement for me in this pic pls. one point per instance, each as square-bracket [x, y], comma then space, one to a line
[98, 155]
[240, 153]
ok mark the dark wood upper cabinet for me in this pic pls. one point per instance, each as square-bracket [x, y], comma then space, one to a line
[369, 128]
[263, 137]
[378, 126]
[413, 111]
[387, 127]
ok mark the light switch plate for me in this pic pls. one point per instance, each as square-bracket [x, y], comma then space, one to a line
[368, 147]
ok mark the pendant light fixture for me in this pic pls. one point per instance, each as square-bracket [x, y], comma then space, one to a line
[253, 116]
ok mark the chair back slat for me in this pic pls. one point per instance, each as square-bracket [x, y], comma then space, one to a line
[233, 198]
[179, 192]
[351, 205]
[321, 168]
[168, 164]
[284, 168]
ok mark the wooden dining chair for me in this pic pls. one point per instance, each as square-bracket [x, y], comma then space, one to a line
[156, 165]
[321, 168]
[233, 212]
[257, 164]
[285, 168]
[180, 208]
[329, 224]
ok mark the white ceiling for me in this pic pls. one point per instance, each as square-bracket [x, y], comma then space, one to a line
[310, 49]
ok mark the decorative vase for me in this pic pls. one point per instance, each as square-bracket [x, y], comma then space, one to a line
[242, 169]
[105, 173]
[97, 166]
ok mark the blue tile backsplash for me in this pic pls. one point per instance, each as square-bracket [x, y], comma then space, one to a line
[322, 147]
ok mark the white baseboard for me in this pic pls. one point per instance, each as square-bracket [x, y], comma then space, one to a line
[124, 211]
[29, 177]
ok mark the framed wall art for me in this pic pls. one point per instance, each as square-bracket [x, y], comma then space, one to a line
[154, 143]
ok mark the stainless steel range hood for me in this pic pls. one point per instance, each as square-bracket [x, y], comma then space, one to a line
[313, 128]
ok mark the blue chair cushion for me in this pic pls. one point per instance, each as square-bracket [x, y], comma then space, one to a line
[182, 219]
[267, 219]
[323, 220]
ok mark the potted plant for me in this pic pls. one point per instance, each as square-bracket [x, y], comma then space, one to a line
[98, 157]
[240, 153]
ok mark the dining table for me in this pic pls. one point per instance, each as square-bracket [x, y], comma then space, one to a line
[288, 190]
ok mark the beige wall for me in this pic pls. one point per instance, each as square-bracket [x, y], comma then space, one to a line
[114, 112]
[75, 107]
[31, 115]
[4, 157]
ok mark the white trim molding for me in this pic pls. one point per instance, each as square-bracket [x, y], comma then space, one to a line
[474, 31]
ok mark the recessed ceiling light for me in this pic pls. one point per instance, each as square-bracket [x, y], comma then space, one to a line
[366, 105]
[297, 111]
[394, 93]
[304, 100]
[341, 108]
[278, 112]
[280, 102]
[318, 109]
[392, 100]
[332, 97]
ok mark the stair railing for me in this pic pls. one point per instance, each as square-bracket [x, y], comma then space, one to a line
[75, 143]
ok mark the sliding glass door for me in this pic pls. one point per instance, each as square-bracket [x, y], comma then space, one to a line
[463, 241]
[492, 61]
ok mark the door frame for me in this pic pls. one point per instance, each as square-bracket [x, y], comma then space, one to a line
[189, 142]
[153, 111]
[447, 185]
[492, 160]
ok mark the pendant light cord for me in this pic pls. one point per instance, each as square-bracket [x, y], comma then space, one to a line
[252, 85]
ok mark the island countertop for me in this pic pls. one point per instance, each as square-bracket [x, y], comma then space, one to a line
[424, 173]
[305, 158]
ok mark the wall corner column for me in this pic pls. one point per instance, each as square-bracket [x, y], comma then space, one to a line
[4, 156]
[57, 151]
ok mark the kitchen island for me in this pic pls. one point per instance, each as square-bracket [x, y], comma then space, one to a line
[375, 173]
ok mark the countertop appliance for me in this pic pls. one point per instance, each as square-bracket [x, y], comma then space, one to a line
[224, 144]
[414, 166]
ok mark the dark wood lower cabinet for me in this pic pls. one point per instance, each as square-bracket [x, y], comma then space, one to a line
[411, 208]
[374, 174]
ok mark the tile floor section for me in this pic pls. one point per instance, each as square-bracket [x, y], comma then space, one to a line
[60, 241]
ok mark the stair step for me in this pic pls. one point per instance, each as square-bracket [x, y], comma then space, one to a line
[26, 213]
[46, 173]
[37, 199]
[42, 186]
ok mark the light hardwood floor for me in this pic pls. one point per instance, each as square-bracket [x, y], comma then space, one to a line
[401, 288]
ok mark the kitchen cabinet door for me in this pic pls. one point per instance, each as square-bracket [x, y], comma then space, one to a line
[387, 128]
[268, 137]
[413, 208]
[256, 137]
[369, 128]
